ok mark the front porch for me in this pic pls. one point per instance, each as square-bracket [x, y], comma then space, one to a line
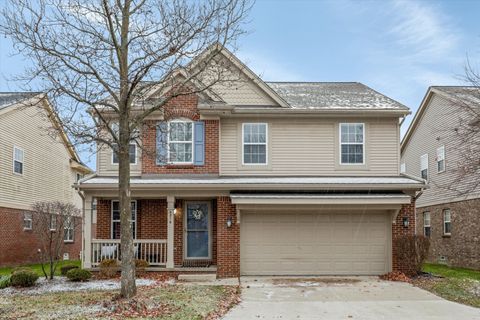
[172, 234]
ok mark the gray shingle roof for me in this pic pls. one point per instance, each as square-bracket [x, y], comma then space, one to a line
[333, 95]
[9, 98]
[466, 93]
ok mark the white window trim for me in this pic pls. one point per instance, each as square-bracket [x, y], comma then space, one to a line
[429, 222]
[112, 221]
[426, 168]
[29, 219]
[53, 220]
[66, 226]
[136, 155]
[256, 143]
[348, 143]
[22, 162]
[445, 221]
[403, 167]
[444, 162]
[168, 141]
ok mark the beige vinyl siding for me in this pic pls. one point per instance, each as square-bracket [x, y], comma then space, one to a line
[47, 174]
[106, 168]
[305, 147]
[435, 129]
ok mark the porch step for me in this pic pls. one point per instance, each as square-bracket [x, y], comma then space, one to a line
[197, 277]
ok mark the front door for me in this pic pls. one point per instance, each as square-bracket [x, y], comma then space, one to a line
[197, 230]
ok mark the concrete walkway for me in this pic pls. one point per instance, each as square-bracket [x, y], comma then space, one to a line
[342, 298]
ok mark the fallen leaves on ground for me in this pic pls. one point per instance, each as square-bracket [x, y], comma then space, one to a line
[395, 276]
[231, 299]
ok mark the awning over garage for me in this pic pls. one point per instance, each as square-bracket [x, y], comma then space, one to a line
[320, 198]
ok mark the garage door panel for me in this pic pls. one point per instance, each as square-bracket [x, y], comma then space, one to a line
[314, 243]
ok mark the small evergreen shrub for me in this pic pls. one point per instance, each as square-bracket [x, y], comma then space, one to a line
[64, 269]
[4, 281]
[23, 278]
[140, 266]
[77, 274]
[108, 268]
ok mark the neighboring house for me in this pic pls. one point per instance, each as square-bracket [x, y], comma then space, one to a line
[34, 166]
[449, 210]
[277, 178]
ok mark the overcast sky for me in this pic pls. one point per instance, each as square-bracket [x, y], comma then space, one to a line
[399, 48]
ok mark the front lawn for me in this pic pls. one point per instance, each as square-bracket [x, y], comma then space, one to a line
[452, 283]
[38, 268]
[159, 301]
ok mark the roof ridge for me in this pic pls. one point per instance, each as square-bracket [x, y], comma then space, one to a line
[313, 82]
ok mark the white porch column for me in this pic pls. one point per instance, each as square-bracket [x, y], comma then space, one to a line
[170, 230]
[87, 232]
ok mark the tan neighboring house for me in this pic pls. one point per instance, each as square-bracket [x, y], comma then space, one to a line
[34, 166]
[261, 178]
[449, 210]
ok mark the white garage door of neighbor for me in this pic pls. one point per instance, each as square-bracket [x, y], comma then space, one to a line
[315, 243]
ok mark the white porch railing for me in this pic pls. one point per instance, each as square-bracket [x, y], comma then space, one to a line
[153, 251]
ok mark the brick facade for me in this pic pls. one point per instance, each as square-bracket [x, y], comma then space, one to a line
[19, 246]
[462, 247]
[181, 107]
[152, 224]
[228, 243]
[398, 230]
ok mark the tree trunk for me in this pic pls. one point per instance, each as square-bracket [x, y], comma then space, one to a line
[128, 289]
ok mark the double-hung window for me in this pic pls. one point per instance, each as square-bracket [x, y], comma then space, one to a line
[426, 224]
[441, 159]
[352, 143]
[180, 141]
[132, 153]
[424, 166]
[53, 222]
[27, 221]
[18, 158]
[68, 229]
[116, 218]
[447, 222]
[254, 143]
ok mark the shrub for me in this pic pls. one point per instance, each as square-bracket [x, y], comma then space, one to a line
[4, 281]
[77, 274]
[140, 266]
[64, 269]
[411, 253]
[23, 278]
[108, 268]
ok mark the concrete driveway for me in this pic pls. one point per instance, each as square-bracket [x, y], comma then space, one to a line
[342, 298]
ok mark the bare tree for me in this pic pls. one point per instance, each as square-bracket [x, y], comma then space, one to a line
[105, 57]
[463, 133]
[53, 222]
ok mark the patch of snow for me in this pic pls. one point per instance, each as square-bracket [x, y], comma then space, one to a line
[268, 294]
[61, 284]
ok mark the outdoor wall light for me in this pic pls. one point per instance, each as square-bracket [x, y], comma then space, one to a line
[405, 222]
[229, 222]
[175, 211]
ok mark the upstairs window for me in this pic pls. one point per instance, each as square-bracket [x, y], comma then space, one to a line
[447, 222]
[68, 227]
[254, 140]
[424, 166]
[426, 224]
[441, 159]
[352, 143]
[53, 222]
[27, 221]
[18, 157]
[180, 142]
[116, 218]
[132, 153]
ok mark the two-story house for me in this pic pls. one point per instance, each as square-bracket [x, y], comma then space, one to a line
[449, 210]
[34, 166]
[261, 178]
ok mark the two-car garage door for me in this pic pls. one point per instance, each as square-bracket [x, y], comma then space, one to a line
[313, 243]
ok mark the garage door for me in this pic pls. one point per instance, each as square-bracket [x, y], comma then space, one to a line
[315, 243]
